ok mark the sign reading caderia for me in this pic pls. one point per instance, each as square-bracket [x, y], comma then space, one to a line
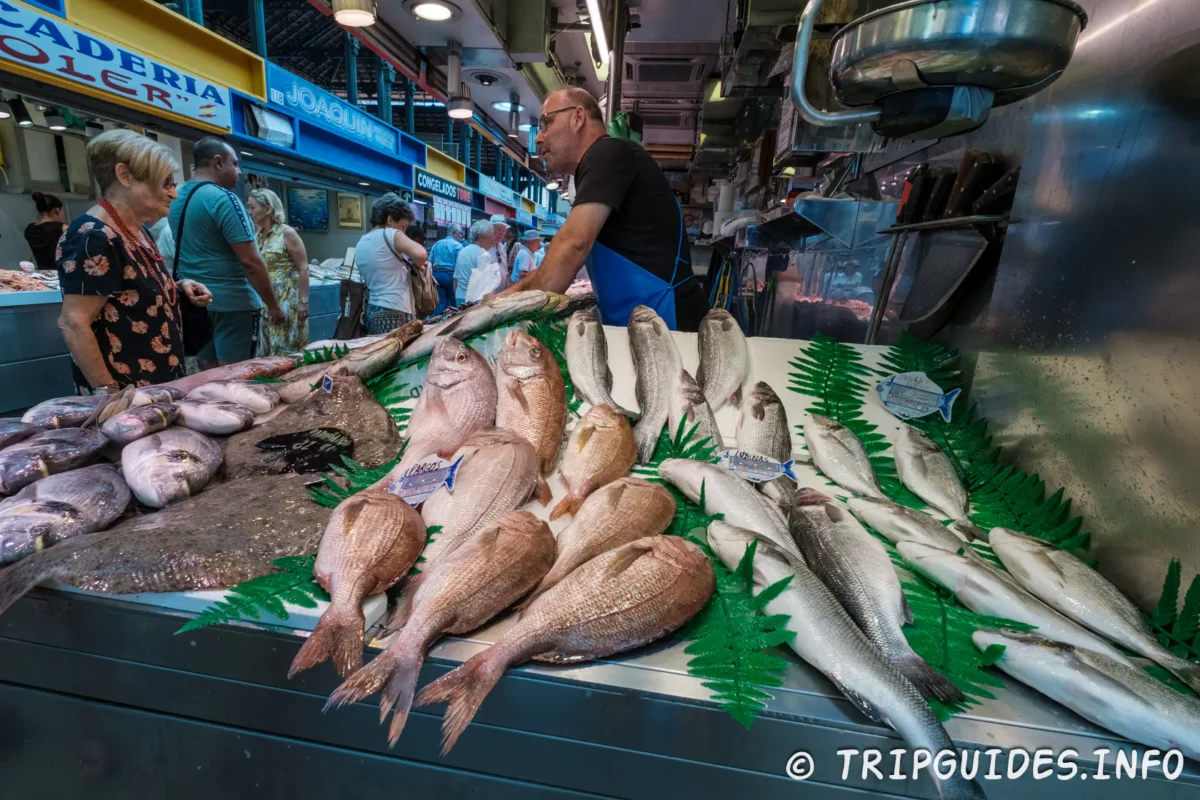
[68, 57]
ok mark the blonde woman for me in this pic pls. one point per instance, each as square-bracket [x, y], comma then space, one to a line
[287, 264]
[120, 313]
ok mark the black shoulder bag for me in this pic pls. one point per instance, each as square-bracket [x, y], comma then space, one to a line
[197, 327]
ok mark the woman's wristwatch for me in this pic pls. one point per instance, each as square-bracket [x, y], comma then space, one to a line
[303, 301]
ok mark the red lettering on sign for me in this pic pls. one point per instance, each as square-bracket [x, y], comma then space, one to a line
[68, 68]
[157, 95]
[38, 56]
[117, 82]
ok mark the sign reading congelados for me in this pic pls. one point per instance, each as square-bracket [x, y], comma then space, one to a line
[431, 184]
[68, 57]
[301, 97]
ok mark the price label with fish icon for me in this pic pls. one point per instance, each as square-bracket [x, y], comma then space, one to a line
[418, 482]
[755, 468]
[910, 395]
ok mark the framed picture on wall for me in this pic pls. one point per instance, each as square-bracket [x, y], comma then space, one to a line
[308, 209]
[350, 210]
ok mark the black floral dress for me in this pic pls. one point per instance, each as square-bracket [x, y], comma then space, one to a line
[139, 331]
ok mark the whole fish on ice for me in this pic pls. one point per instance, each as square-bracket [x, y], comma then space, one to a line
[927, 471]
[13, 430]
[491, 313]
[838, 453]
[724, 359]
[601, 450]
[47, 453]
[169, 466]
[258, 397]
[139, 421]
[59, 507]
[689, 409]
[762, 428]
[657, 365]
[215, 418]
[531, 396]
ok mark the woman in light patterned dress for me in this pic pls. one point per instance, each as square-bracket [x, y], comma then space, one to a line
[287, 263]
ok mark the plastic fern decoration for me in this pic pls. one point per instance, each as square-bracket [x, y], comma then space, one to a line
[293, 583]
[324, 355]
[355, 476]
[1178, 629]
[398, 399]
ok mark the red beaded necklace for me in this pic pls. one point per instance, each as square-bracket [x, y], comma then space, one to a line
[146, 255]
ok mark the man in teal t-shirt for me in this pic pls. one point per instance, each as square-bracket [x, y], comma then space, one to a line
[216, 247]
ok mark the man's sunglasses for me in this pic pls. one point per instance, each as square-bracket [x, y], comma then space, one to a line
[544, 119]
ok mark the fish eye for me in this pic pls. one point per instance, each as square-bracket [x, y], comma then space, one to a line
[461, 357]
[535, 351]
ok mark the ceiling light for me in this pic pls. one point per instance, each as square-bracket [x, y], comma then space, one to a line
[5, 111]
[433, 10]
[247, 154]
[552, 186]
[593, 7]
[55, 122]
[485, 78]
[354, 13]
[21, 113]
[460, 108]
[505, 106]
[525, 127]
[363, 183]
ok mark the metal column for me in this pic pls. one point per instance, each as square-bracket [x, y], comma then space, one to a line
[466, 142]
[616, 61]
[194, 10]
[258, 27]
[384, 90]
[450, 137]
[350, 54]
[478, 151]
[410, 110]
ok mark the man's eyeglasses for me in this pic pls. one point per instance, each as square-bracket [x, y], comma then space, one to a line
[544, 119]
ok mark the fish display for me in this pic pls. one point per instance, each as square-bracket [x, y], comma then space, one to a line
[59, 507]
[928, 473]
[217, 418]
[616, 514]
[499, 473]
[13, 430]
[762, 425]
[838, 453]
[727, 494]
[913, 394]
[64, 412]
[302, 381]
[372, 540]
[600, 450]
[531, 396]
[619, 600]
[1081, 594]
[458, 594]
[219, 538]
[587, 358]
[344, 403]
[724, 359]
[266, 367]
[258, 397]
[491, 313]
[984, 591]
[903, 524]
[145, 395]
[458, 399]
[687, 405]
[378, 357]
[139, 421]
[169, 466]
[830, 641]
[657, 365]
[859, 572]
[47, 453]
[1112, 694]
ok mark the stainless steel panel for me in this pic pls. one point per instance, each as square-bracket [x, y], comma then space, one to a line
[322, 299]
[1088, 355]
[30, 331]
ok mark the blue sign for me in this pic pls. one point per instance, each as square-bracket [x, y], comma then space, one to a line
[525, 218]
[429, 183]
[309, 102]
[55, 7]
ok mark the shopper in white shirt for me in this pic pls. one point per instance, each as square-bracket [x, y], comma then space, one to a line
[472, 257]
[496, 248]
[526, 260]
[378, 257]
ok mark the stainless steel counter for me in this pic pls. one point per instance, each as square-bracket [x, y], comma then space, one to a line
[99, 699]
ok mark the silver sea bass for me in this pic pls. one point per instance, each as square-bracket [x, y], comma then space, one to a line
[829, 640]
[491, 313]
[762, 428]
[838, 453]
[657, 364]
[1068, 585]
[688, 405]
[724, 359]
[1114, 695]
[726, 493]
[859, 572]
[927, 471]
[169, 466]
[587, 358]
[982, 589]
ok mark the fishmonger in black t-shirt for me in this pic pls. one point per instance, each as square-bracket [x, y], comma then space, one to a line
[624, 217]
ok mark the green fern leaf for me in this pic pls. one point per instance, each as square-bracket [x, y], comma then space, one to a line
[1187, 624]
[1168, 601]
[270, 592]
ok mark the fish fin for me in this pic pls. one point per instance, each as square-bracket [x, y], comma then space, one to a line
[542, 492]
[339, 633]
[434, 404]
[614, 497]
[735, 399]
[646, 437]
[834, 513]
[585, 433]
[19, 578]
[450, 329]
[464, 689]
[929, 682]
[860, 702]
[364, 682]
[789, 471]
[568, 505]
[626, 558]
[404, 606]
[608, 378]
[1185, 670]
[906, 613]
[947, 402]
[516, 393]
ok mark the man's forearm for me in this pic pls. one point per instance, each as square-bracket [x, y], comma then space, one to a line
[557, 272]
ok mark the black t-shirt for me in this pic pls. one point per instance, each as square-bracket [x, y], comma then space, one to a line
[43, 239]
[645, 225]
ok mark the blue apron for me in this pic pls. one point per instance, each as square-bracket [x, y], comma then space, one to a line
[621, 285]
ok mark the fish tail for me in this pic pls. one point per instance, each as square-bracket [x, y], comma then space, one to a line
[929, 682]
[568, 505]
[646, 436]
[339, 633]
[19, 578]
[364, 682]
[464, 688]
[1185, 670]
[947, 403]
[398, 694]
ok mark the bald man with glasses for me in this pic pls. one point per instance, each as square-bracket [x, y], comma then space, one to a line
[625, 223]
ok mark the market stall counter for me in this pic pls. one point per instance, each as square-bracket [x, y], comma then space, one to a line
[105, 697]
